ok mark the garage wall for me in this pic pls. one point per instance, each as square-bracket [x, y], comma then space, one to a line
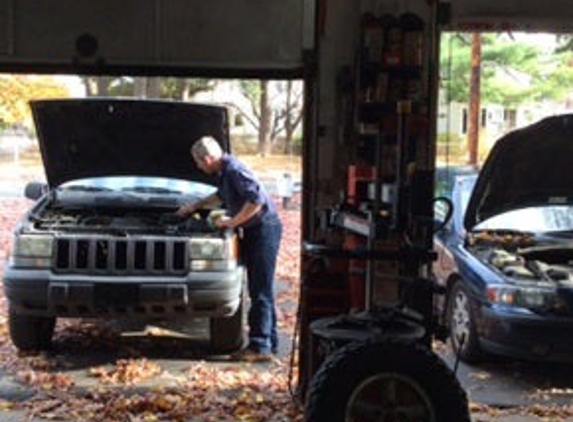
[237, 34]
[338, 39]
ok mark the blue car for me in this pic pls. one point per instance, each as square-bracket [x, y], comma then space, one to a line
[506, 255]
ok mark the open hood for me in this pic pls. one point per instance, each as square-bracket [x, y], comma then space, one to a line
[528, 167]
[120, 137]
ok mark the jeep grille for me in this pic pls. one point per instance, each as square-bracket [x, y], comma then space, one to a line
[121, 256]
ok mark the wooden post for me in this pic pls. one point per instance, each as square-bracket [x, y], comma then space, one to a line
[474, 108]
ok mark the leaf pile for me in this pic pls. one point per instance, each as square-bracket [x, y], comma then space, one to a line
[203, 391]
[126, 371]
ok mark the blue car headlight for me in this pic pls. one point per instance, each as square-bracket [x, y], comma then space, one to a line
[522, 296]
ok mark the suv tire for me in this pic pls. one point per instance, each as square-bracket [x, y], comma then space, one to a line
[227, 333]
[30, 333]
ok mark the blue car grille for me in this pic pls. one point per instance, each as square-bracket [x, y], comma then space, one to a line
[121, 256]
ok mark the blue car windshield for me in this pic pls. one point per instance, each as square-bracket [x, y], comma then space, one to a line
[533, 219]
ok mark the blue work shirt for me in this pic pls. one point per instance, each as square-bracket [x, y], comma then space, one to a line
[237, 185]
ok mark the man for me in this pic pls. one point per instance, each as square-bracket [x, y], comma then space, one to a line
[250, 209]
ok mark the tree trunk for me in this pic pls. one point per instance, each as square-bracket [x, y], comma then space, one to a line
[145, 87]
[289, 123]
[474, 108]
[153, 88]
[89, 86]
[102, 84]
[265, 121]
[139, 87]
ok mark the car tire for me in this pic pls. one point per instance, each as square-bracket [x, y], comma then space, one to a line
[227, 334]
[461, 323]
[385, 380]
[30, 333]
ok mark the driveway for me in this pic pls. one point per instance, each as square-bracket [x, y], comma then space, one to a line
[509, 390]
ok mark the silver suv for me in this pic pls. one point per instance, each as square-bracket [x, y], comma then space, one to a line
[103, 239]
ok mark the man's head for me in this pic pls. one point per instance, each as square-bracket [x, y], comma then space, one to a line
[207, 153]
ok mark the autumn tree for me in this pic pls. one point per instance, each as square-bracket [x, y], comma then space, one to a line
[16, 91]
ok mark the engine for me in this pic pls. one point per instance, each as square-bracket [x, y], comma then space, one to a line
[120, 220]
[519, 256]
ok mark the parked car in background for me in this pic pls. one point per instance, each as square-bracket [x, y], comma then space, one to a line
[506, 256]
[445, 177]
[103, 240]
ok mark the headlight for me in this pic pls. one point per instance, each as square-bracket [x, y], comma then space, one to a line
[32, 251]
[522, 297]
[208, 249]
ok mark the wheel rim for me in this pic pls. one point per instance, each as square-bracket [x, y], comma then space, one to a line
[389, 397]
[460, 322]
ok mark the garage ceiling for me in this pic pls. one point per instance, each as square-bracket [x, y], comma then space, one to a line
[241, 36]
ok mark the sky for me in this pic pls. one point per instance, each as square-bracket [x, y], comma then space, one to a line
[73, 83]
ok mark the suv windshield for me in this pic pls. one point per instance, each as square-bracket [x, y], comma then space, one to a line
[137, 188]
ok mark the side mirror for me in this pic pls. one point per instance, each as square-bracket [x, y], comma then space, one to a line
[35, 190]
[443, 211]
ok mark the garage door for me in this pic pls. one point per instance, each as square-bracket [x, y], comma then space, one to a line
[218, 36]
[524, 15]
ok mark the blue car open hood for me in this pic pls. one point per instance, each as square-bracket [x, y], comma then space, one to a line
[528, 167]
[123, 137]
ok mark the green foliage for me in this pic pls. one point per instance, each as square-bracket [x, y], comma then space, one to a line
[251, 89]
[180, 89]
[512, 72]
[296, 146]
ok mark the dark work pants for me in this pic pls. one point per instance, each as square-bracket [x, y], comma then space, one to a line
[259, 250]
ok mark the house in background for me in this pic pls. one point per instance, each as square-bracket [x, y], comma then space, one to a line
[495, 120]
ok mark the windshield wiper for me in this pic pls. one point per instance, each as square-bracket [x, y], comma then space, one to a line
[87, 188]
[152, 189]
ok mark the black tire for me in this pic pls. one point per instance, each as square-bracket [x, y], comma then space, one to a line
[30, 333]
[227, 334]
[461, 325]
[354, 382]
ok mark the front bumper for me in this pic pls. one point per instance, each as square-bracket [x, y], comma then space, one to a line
[526, 336]
[200, 294]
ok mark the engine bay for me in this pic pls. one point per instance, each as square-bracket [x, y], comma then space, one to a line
[121, 220]
[521, 256]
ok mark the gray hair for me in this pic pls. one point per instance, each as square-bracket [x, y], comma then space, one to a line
[206, 146]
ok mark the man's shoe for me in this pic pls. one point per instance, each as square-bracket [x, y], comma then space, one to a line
[250, 355]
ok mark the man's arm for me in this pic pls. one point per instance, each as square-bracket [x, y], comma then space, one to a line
[247, 211]
[209, 201]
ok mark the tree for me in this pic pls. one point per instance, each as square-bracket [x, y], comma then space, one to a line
[181, 89]
[274, 107]
[510, 70]
[293, 112]
[259, 115]
[18, 90]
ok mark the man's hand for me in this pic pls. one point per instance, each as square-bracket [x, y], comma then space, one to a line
[186, 210]
[224, 222]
